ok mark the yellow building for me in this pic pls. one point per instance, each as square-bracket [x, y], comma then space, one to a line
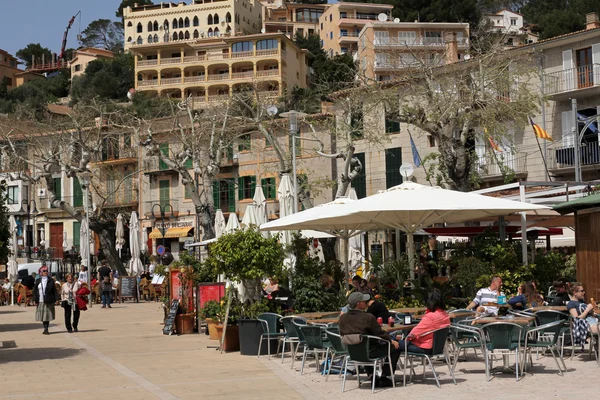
[292, 18]
[9, 68]
[211, 69]
[341, 23]
[172, 22]
[386, 49]
[83, 57]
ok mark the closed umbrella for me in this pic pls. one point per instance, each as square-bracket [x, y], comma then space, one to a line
[219, 223]
[232, 223]
[65, 244]
[286, 204]
[12, 265]
[355, 243]
[84, 243]
[135, 264]
[120, 234]
[260, 202]
[144, 243]
[250, 218]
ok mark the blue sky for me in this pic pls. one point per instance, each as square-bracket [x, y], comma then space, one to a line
[45, 21]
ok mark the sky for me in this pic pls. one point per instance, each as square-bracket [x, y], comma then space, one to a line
[46, 21]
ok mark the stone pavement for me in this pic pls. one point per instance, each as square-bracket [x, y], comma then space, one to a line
[120, 353]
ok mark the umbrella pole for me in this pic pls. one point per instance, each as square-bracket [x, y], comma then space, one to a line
[410, 248]
[345, 261]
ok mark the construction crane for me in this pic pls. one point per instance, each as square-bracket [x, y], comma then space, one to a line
[63, 55]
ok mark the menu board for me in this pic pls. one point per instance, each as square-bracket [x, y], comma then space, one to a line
[210, 291]
[128, 287]
[176, 292]
[170, 320]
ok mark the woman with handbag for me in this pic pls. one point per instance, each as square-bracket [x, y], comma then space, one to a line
[68, 295]
[44, 295]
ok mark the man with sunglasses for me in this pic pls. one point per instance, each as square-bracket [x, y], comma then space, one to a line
[44, 295]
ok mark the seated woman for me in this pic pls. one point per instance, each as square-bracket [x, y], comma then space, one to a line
[435, 317]
[584, 320]
[378, 309]
[272, 286]
[527, 297]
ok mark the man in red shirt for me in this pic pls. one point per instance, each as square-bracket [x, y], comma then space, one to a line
[434, 318]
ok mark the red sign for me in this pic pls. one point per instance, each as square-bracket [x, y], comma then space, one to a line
[176, 290]
[210, 291]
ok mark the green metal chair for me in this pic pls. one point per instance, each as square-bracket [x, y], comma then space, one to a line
[359, 354]
[440, 337]
[270, 324]
[291, 334]
[467, 337]
[545, 317]
[503, 338]
[315, 344]
[552, 330]
[337, 349]
[298, 323]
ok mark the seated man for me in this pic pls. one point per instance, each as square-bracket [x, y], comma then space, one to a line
[6, 290]
[487, 295]
[562, 294]
[357, 321]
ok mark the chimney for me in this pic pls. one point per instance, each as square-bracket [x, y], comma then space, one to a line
[592, 21]
[451, 47]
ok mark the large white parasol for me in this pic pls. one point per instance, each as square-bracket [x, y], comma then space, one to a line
[135, 264]
[120, 234]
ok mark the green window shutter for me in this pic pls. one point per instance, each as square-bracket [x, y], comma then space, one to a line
[252, 186]
[272, 189]
[189, 164]
[231, 195]
[187, 192]
[58, 188]
[216, 197]
[164, 192]
[263, 184]
[360, 182]
[241, 188]
[392, 126]
[77, 193]
[393, 161]
[76, 234]
[164, 149]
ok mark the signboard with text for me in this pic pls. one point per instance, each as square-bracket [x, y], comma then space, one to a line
[210, 291]
[176, 289]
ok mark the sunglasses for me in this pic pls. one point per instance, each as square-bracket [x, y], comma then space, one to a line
[44, 270]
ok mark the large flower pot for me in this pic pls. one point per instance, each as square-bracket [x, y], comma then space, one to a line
[212, 329]
[232, 337]
[184, 324]
[250, 331]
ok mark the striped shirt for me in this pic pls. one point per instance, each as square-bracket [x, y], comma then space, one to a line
[487, 295]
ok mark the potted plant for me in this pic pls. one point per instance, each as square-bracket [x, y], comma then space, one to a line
[232, 341]
[210, 313]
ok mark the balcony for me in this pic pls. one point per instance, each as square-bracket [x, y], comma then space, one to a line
[124, 196]
[500, 164]
[248, 75]
[208, 57]
[432, 42]
[564, 157]
[569, 80]
[153, 166]
[170, 81]
[148, 211]
[117, 157]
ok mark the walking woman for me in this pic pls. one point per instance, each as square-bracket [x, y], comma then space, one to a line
[44, 295]
[68, 295]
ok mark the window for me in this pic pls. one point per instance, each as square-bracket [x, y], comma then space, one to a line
[217, 33]
[344, 50]
[224, 194]
[164, 192]
[150, 38]
[57, 183]
[513, 21]
[360, 182]
[267, 44]
[241, 46]
[166, 25]
[180, 35]
[155, 26]
[382, 59]
[196, 21]
[186, 22]
[155, 38]
[244, 143]
[433, 38]
[196, 34]
[180, 23]
[228, 17]
[140, 28]
[77, 67]
[431, 140]
[110, 148]
[139, 40]
[13, 195]
[150, 26]
[356, 124]
[187, 35]
[391, 126]
[269, 188]
[76, 234]
[189, 163]
[382, 37]
[407, 37]
[129, 24]
[77, 193]
[330, 35]
[174, 23]
[175, 36]
[187, 192]
[393, 160]
[164, 149]
[216, 19]
[246, 187]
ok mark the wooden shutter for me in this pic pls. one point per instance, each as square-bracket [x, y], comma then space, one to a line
[252, 186]
[77, 193]
[164, 192]
[76, 234]
[568, 70]
[216, 197]
[596, 63]
[58, 188]
[231, 195]
[393, 160]
[164, 149]
[568, 136]
[241, 188]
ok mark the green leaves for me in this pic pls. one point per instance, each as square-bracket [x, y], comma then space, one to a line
[103, 33]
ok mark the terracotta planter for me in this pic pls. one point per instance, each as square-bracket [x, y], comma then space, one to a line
[232, 337]
[184, 324]
[212, 329]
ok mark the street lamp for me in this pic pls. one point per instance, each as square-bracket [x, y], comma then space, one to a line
[26, 207]
[579, 136]
[85, 180]
[293, 116]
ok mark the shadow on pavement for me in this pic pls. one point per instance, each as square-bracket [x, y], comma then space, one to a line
[10, 311]
[36, 354]
[21, 327]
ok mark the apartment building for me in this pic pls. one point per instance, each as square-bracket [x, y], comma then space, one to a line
[181, 22]
[82, 57]
[8, 69]
[511, 24]
[292, 18]
[213, 68]
[388, 49]
[341, 24]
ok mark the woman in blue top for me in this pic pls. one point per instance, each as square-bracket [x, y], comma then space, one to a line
[527, 297]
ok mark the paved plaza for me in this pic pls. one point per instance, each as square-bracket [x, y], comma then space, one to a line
[120, 353]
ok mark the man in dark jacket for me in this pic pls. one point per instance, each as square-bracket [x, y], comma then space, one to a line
[357, 321]
[562, 293]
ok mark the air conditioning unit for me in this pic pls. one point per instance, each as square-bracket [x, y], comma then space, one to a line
[41, 193]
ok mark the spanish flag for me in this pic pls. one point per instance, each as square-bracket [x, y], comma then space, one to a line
[540, 132]
[494, 145]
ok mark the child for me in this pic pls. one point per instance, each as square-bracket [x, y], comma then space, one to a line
[106, 288]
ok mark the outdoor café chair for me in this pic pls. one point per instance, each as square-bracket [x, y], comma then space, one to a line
[337, 349]
[551, 330]
[315, 344]
[544, 317]
[291, 334]
[503, 338]
[270, 325]
[359, 354]
[465, 337]
[440, 337]
[298, 323]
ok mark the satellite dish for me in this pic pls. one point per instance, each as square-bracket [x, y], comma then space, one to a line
[396, 20]
[382, 17]
[263, 30]
[406, 170]
[272, 110]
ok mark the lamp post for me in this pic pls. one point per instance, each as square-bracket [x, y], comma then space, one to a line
[163, 209]
[85, 179]
[26, 207]
[578, 135]
[293, 116]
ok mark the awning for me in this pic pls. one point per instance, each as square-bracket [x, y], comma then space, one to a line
[178, 232]
[155, 234]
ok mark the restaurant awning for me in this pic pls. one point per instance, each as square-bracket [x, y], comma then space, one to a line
[155, 234]
[178, 232]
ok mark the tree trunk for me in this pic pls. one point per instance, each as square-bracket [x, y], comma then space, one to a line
[252, 290]
[107, 243]
[457, 160]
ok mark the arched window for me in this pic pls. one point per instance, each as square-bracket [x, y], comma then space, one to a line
[216, 18]
[139, 40]
[187, 35]
[155, 25]
[228, 30]
[196, 21]
[180, 35]
[174, 35]
[155, 38]
[186, 22]
[129, 24]
[181, 22]
[217, 33]
[228, 17]
[149, 26]
[210, 32]
[139, 27]
[129, 39]
[149, 38]
[196, 34]
[210, 19]
[174, 24]
[166, 25]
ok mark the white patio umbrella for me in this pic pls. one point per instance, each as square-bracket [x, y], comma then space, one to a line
[12, 265]
[250, 217]
[120, 234]
[286, 204]
[135, 264]
[232, 224]
[355, 243]
[84, 243]
[260, 203]
[219, 223]
[144, 244]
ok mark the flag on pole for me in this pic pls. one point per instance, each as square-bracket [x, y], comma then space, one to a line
[415, 153]
[494, 145]
[540, 132]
